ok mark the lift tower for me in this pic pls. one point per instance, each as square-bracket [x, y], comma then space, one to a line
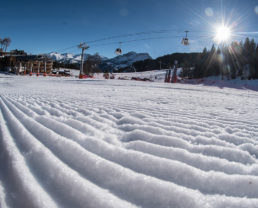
[83, 46]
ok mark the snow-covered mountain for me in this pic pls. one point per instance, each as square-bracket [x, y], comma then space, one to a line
[66, 57]
[126, 60]
[113, 63]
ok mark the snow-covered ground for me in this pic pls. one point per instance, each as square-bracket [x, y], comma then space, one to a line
[154, 75]
[159, 76]
[66, 142]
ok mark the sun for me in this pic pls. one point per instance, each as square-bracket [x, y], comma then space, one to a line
[223, 34]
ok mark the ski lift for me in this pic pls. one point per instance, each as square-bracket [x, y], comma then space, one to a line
[185, 40]
[118, 51]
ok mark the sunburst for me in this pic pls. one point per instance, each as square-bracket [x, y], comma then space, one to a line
[223, 34]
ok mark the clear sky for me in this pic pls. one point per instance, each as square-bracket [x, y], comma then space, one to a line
[46, 26]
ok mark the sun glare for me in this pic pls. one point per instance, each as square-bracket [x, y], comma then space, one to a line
[223, 34]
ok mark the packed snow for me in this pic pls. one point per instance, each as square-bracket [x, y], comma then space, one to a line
[66, 142]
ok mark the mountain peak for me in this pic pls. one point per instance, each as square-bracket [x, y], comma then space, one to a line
[117, 62]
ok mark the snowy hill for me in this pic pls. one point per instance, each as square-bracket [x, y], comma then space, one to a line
[125, 60]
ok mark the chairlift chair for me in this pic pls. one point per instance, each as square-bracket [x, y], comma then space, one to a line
[118, 51]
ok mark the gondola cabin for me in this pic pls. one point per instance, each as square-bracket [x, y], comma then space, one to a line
[118, 51]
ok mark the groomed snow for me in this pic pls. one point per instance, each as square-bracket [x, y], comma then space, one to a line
[66, 142]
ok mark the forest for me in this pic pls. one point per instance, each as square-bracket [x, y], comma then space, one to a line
[238, 59]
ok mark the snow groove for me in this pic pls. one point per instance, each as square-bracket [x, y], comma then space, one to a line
[115, 144]
[82, 193]
[202, 162]
[98, 166]
[230, 154]
[2, 196]
[126, 158]
[28, 192]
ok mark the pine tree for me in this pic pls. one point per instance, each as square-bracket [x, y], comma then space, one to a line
[256, 63]
[5, 43]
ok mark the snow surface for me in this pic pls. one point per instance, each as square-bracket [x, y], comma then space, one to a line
[66, 142]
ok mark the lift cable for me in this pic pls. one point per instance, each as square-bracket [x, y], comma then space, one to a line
[96, 43]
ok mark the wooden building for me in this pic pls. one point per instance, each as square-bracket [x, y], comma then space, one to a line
[23, 63]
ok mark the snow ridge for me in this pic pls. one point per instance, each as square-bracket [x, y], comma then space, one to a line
[158, 146]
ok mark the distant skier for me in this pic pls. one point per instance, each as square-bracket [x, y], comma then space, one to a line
[174, 76]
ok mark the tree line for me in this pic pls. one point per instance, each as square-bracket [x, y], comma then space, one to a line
[163, 62]
[238, 59]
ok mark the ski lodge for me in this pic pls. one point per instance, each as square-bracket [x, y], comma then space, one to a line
[19, 62]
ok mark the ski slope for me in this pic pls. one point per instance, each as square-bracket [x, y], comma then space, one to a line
[67, 143]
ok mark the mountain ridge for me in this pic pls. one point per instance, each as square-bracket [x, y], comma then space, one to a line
[114, 63]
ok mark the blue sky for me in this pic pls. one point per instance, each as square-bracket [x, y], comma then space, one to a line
[47, 26]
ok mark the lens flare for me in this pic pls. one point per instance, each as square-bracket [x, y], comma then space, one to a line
[256, 10]
[223, 34]
[209, 12]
